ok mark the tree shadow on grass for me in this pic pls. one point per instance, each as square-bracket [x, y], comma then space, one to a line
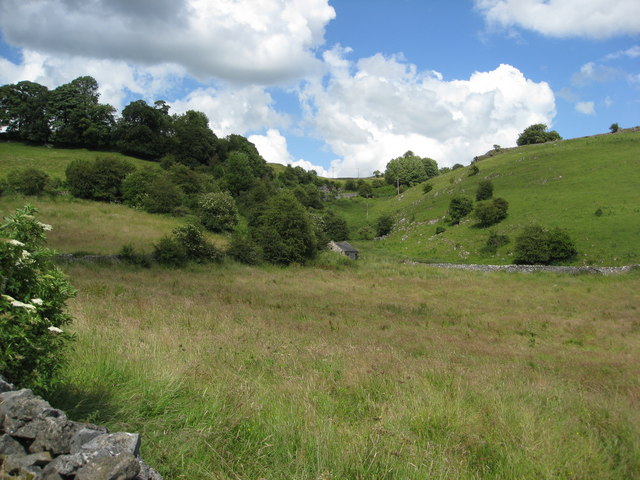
[93, 404]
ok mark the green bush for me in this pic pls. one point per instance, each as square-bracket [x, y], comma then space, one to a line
[485, 190]
[459, 207]
[100, 179]
[537, 245]
[490, 213]
[537, 133]
[244, 250]
[28, 181]
[33, 295]
[384, 225]
[186, 243]
[427, 187]
[131, 256]
[170, 253]
[473, 170]
[218, 211]
[440, 229]
[162, 195]
[366, 233]
[494, 242]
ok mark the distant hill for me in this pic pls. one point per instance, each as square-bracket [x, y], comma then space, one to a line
[588, 186]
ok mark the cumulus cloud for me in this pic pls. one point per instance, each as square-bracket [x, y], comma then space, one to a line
[114, 77]
[233, 110]
[587, 108]
[273, 148]
[376, 109]
[237, 40]
[565, 18]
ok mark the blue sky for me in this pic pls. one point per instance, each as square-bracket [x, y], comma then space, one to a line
[344, 86]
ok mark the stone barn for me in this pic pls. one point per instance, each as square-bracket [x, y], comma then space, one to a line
[345, 248]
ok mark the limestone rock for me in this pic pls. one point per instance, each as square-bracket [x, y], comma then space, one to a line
[85, 434]
[112, 444]
[123, 466]
[10, 446]
[4, 385]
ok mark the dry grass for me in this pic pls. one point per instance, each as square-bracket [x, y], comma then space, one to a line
[379, 371]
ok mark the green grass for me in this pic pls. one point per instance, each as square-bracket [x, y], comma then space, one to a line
[557, 184]
[53, 161]
[377, 370]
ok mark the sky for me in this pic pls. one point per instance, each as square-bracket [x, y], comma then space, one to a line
[344, 86]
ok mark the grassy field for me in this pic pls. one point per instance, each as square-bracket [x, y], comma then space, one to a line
[375, 371]
[557, 184]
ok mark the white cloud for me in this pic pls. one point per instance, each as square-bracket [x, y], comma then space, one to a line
[633, 52]
[594, 73]
[587, 108]
[233, 110]
[378, 108]
[565, 18]
[266, 41]
[113, 77]
[273, 148]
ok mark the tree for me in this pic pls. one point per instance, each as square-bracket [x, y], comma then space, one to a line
[384, 225]
[459, 207]
[410, 169]
[23, 111]
[77, 119]
[100, 179]
[28, 181]
[537, 133]
[538, 245]
[238, 176]
[335, 227]
[485, 190]
[614, 127]
[195, 143]
[490, 213]
[145, 131]
[218, 211]
[284, 231]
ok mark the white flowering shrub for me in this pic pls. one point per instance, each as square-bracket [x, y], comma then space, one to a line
[33, 295]
[218, 211]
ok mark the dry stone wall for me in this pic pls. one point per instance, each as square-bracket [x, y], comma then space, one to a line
[40, 442]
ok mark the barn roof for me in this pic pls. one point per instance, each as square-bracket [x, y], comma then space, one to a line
[346, 247]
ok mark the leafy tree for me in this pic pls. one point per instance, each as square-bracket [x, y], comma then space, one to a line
[284, 231]
[485, 190]
[33, 295]
[218, 211]
[100, 179]
[335, 227]
[384, 225]
[426, 188]
[490, 213]
[244, 250]
[28, 181]
[410, 169]
[456, 166]
[259, 168]
[614, 128]
[365, 190]
[473, 170]
[537, 133]
[135, 186]
[186, 243]
[77, 119]
[459, 207]
[537, 245]
[162, 195]
[238, 176]
[145, 131]
[195, 143]
[23, 111]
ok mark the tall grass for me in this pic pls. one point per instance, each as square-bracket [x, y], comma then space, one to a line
[377, 370]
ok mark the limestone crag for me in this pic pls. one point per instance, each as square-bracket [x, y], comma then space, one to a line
[40, 442]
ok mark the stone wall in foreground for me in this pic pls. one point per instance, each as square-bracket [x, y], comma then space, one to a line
[40, 442]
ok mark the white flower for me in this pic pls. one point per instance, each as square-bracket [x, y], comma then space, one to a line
[19, 304]
[16, 243]
[45, 227]
[25, 254]
[53, 329]
[8, 298]
[36, 301]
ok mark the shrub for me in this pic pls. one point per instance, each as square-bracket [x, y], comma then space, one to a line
[473, 170]
[494, 242]
[186, 243]
[537, 133]
[335, 227]
[427, 188]
[170, 253]
[33, 293]
[244, 250]
[485, 190]
[490, 213]
[162, 195]
[366, 233]
[537, 245]
[100, 179]
[614, 127]
[218, 211]
[440, 229]
[384, 225]
[598, 212]
[131, 256]
[28, 181]
[459, 207]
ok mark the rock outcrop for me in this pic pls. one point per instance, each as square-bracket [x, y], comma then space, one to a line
[40, 442]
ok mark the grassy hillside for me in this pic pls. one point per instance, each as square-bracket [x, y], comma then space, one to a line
[558, 184]
[54, 161]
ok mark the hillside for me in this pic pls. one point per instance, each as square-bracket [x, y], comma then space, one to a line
[556, 184]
